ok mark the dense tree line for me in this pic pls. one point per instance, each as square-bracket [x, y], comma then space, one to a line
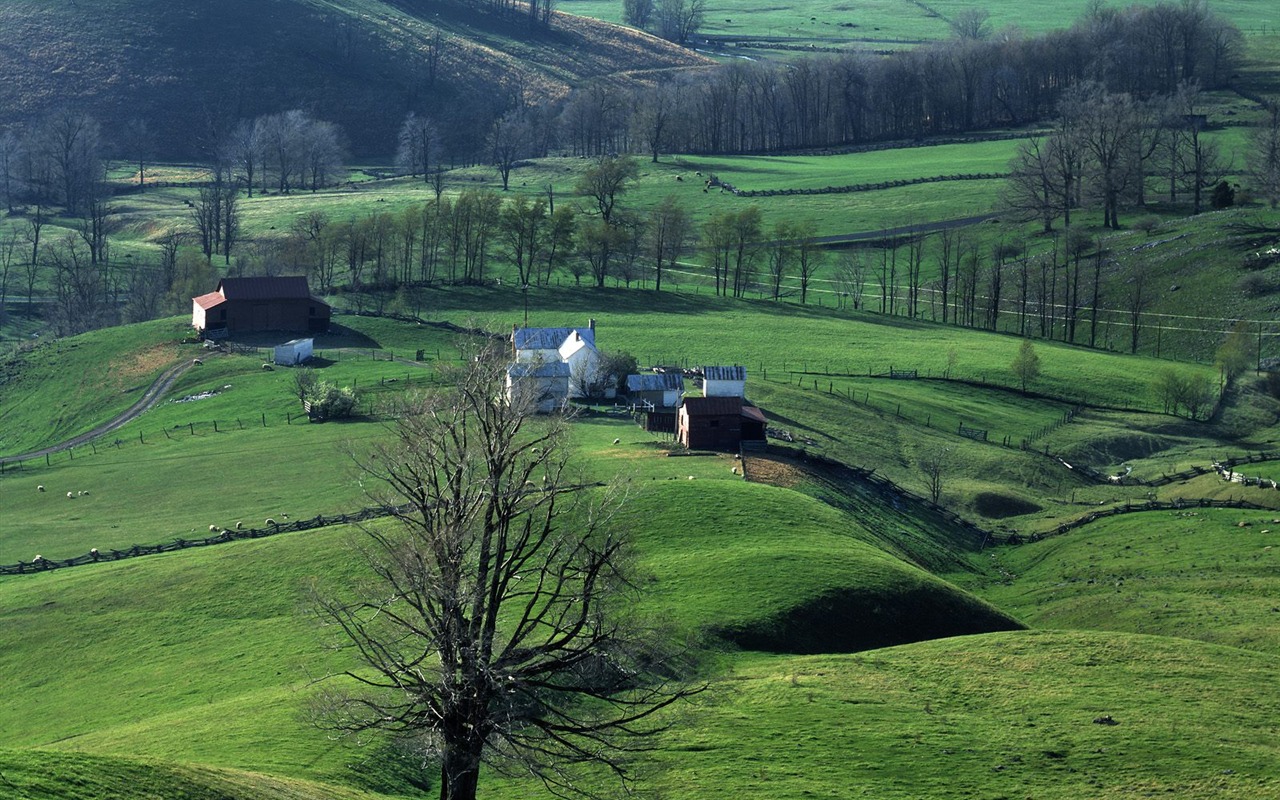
[973, 81]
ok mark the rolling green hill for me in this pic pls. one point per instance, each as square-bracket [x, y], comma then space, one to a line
[191, 69]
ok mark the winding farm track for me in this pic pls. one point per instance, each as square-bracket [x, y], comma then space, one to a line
[149, 398]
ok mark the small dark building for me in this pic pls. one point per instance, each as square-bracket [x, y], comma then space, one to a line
[248, 305]
[719, 423]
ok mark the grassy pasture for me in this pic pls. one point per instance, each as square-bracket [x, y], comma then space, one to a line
[1193, 573]
[226, 619]
[816, 25]
[1005, 714]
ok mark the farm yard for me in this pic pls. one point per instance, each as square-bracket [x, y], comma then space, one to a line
[906, 471]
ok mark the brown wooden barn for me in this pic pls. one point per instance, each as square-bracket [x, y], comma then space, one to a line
[247, 305]
[719, 423]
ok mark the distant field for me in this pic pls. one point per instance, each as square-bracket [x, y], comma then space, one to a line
[888, 24]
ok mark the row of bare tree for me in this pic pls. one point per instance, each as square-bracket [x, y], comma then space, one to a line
[973, 81]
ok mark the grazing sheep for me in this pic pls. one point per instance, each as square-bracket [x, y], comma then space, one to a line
[213, 528]
[93, 552]
[40, 488]
[239, 526]
[37, 559]
[85, 492]
[271, 522]
[196, 362]
[690, 477]
[70, 495]
[617, 441]
[268, 367]
[80, 493]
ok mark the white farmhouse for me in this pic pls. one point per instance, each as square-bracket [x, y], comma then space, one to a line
[544, 385]
[724, 381]
[575, 347]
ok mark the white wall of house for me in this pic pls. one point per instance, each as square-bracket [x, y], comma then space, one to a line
[584, 363]
[712, 388]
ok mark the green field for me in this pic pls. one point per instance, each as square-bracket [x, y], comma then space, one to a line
[886, 24]
[831, 568]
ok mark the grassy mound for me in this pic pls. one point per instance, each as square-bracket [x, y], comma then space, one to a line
[774, 570]
[57, 389]
[1193, 573]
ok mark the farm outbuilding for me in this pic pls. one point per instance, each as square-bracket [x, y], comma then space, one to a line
[724, 381]
[293, 352]
[719, 423]
[662, 390]
[248, 305]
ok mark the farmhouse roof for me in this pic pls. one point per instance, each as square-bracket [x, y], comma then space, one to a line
[725, 373]
[549, 369]
[665, 382]
[712, 406]
[549, 338]
[290, 287]
[210, 300]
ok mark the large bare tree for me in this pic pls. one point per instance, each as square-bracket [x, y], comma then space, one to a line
[491, 629]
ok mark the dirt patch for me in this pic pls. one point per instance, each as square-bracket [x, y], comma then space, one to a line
[994, 505]
[774, 470]
[126, 372]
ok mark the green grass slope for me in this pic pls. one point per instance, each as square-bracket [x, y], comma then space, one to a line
[1193, 573]
[206, 656]
[191, 68]
[1004, 715]
[50, 775]
[61, 388]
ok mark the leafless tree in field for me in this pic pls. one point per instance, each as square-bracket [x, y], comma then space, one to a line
[492, 628]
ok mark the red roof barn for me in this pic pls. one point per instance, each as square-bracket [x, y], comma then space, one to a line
[719, 423]
[246, 305]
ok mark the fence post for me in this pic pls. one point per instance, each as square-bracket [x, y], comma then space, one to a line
[190, 426]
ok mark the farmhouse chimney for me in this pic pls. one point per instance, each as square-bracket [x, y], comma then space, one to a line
[591, 325]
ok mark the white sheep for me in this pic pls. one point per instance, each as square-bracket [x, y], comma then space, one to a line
[196, 362]
[617, 441]
[85, 492]
[239, 525]
[37, 559]
[93, 552]
[213, 528]
[70, 495]
[271, 521]
[40, 488]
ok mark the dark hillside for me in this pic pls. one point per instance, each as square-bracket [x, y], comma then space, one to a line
[193, 68]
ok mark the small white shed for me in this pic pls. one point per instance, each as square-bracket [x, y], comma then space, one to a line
[294, 352]
[724, 381]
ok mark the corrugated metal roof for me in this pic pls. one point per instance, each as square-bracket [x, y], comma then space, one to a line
[287, 287]
[665, 382]
[712, 406]
[751, 412]
[549, 369]
[210, 300]
[725, 373]
[549, 338]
